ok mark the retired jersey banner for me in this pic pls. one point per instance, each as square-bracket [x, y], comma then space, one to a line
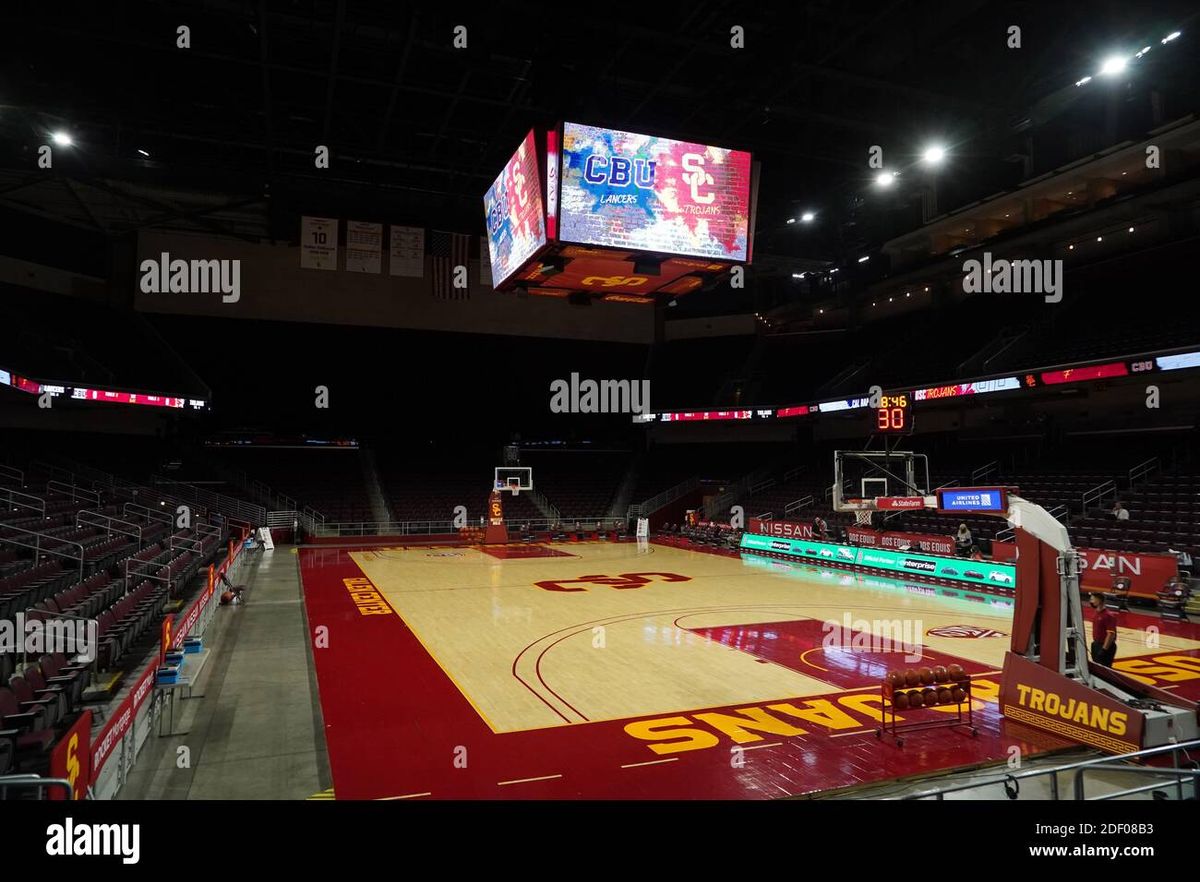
[624, 190]
[406, 255]
[364, 247]
[319, 243]
[516, 216]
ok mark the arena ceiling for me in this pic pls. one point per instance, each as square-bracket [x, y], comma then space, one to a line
[219, 137]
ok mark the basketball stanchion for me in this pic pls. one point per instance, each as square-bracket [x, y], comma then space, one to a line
[927, 687]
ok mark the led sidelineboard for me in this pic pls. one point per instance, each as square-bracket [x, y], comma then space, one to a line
[623, 190]
[516, 217]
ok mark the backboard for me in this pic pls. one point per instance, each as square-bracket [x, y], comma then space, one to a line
[860, 477]
[513, 478]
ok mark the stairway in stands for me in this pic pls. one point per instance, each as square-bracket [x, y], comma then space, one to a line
[380, 509]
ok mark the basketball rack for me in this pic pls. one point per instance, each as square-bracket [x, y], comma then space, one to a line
[890, 725]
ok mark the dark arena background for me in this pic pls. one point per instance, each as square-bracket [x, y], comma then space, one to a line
[715, 401]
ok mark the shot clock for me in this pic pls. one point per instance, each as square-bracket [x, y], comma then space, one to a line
[893, 416]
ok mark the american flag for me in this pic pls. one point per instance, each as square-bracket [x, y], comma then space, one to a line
[449, 250]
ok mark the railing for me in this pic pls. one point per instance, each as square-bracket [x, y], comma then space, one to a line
[8, 473]
[1142, 469]
[306, 518]
[766, 516]
[755, 489]
[38, 550]
[34, 782]
[247, 511]
[74, 491]
[721, 503]
[150, 514]
[1011, 780]
[110, 524]
[15, 498]
[654, 503]
[796, 504]
[985, 471]
[793, 473]
[1097, 494]
[442, 528]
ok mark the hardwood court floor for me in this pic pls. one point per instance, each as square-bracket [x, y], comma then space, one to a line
[608, 670]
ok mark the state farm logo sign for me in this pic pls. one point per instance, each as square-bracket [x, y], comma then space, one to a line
[972, 632]
[787, 529]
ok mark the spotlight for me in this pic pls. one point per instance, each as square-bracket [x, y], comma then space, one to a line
[1113, 65]
[885, 178]
[1070, 247]
[143, 152]
[1131, 229]
[791, 220]
[908, 293]
[807, 217]
[1171, 36]
[1141, 52]
[62, 139]
[1083, 82]
[934, 155]
[864, 258]
[1099, 238]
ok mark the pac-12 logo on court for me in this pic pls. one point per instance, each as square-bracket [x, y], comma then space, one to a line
[624, 580]
[970, 631]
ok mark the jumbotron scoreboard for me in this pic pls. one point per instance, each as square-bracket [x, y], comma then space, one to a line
[581, 210]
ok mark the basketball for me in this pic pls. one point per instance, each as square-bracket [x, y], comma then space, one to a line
[911, 677]
[926, 675]
[958, 694]
[940, 674]
[895, 679]
[944, 695]
[956, 672]
[915, 698]
[929, 696]
[900, 701]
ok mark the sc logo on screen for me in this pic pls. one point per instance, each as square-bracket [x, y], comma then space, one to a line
[695, 176]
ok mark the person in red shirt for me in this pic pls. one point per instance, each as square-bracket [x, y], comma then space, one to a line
[1104, 632]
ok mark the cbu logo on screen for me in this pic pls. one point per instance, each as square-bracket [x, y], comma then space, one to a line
[620, 171]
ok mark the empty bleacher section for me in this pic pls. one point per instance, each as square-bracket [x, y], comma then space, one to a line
[330, 480]
[98, 573]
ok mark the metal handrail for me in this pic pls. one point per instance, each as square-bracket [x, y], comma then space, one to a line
[35, 781]
[109, 523]
[76, 492]
[37, 545]
[1054, 771]
[796, 504]
[437, 528]
[1097, 493]
[1142, 469]
[1178, 774]
[9, 496]
[654, 503]
[8, 473]
[985, 470]
[149, 514]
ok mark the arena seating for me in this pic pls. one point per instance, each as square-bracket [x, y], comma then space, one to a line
[328, 480]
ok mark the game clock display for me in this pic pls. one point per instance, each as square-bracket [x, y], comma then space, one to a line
[893, 416]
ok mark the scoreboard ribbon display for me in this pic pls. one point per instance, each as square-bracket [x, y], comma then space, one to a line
[516, 217]
[624, 190]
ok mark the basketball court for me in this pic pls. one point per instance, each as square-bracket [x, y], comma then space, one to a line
[623, 669]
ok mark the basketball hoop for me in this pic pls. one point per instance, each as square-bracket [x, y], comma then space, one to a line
[862, 517]
[514, 486]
